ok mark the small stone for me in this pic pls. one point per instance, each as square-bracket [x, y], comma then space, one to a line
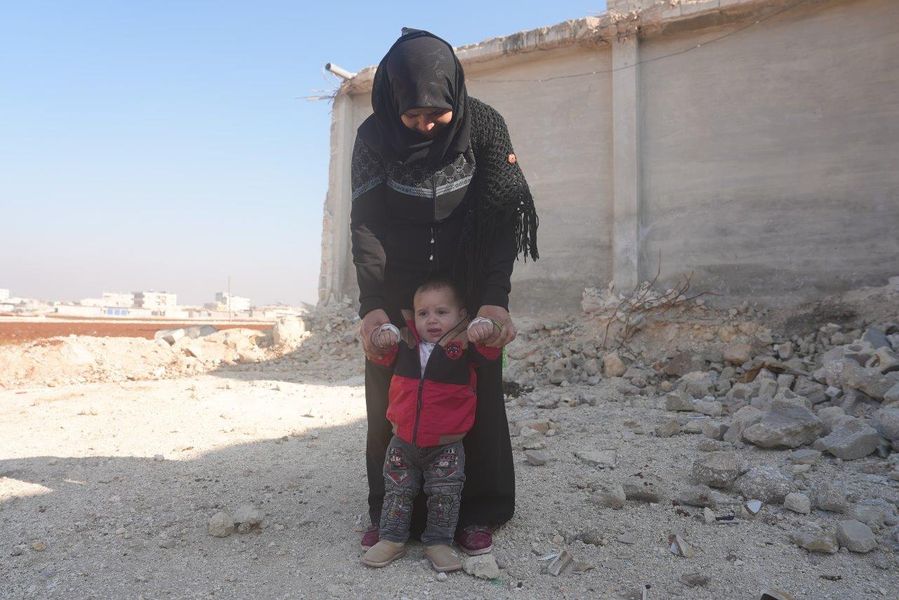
[697, 495]
[609, 495]
[536, 458]
[737, 354]
[593, 536]
[852, 440]
[708, 516]
[753, 507]
[798, 503]
[646, 488]
[830, 498]
[816, 540]
[694, 579]
[785, 350]
[558, 565]
[856, 536]
[441, 576]
[679, 546]
[678, 401]
[717, 469]
[613, 366]
[668, 429]
[482, 567]
[714, 430]
[221, 524]
[804, 456]
[785, 425]
[38, 546]
[601, 459]
[765, 483]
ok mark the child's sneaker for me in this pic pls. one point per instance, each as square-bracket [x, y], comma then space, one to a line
[475, 540]
[383, 553]
[370, 537]
[443, 558]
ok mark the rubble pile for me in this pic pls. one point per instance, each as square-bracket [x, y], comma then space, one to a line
[783, 422]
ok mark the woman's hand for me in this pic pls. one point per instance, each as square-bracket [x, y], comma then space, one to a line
[502, 332]
[371, 322]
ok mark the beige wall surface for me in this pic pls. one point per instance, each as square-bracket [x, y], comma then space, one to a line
[762, 156]
[770, 159]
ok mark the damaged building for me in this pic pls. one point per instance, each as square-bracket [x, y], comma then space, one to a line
[752, 143]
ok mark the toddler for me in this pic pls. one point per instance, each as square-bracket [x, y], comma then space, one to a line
[431, 406]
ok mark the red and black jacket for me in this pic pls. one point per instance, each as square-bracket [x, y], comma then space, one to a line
[438, 406]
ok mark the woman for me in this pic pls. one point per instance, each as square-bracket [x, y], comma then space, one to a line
[437, 191]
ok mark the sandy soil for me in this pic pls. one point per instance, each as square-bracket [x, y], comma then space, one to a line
[106, 490]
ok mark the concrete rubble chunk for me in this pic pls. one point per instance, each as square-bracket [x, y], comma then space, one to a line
[613, 366]
[891, 396]
[742, 420]
[737, 354]
[482, 567]
[669, 428]
[221, 524]
[784, 425]
[678, 401]
[698, 495]
[830, 498]
[804, 456]
[698, 384]
[798, 503]
[717, 469]
[536, 458]
[609, 495]
[558, 564]
[714, 430]
[601, 459]
[886, 421]
[678, 546]
[288, 331]
[765, 483]
[856, 536]
[645, 488]
[885, 360]
[832, 417]
[851, 440]
[753, 507]
[876, 337]
[812, 390]
[708, 406]
[814, 539]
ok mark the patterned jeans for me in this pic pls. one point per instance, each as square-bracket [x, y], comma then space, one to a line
[443, 470]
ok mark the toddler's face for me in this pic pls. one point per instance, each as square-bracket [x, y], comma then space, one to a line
[436, 312]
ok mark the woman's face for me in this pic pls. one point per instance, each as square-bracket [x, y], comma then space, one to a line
[427, 121]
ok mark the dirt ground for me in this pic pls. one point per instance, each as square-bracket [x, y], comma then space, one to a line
[17, 331]
[106, 490]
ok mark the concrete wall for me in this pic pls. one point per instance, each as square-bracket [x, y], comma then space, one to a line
[770, 159]
[765, 160]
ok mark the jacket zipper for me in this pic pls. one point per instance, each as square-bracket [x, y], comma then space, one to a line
[420, 400]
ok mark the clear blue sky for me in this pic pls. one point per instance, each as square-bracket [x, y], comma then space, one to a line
[166, 145]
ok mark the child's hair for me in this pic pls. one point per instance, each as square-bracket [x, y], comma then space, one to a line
[440, 283]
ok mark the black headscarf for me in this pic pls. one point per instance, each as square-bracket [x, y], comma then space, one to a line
[420, 70]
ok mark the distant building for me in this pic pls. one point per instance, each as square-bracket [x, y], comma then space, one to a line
[4, 294]
[155, 300]
[118, 299]
[226, 301]
[110, 300]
